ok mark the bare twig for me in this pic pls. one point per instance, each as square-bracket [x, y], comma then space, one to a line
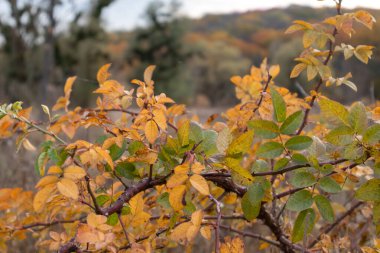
[336, 223]
[217, 225]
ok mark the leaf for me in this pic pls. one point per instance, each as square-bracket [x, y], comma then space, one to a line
[298, 142]
[250, 210]
[340, 136]
[68, 188]
[183, 133]
[329, 185]
[200, 184]
[102, 199]
[105, 155]
[176, 179]
[297, 70]
[372, 134]
[241, 144]
[42, 196]
[103, 74]
[175, 197]
[303, 225]
[365, 18]
[363, 53]
[299, 201]
[148, 73]
[151, 131]
[224, 139]
[279, 106]
[302, 179]
[369, 191]
[312, 71]
[334, 111]
[74, 172]
[358, 117]
[255, 193]
[208, 145]
[324, 207]
[234, 164]
[270, 150]
[264, 128]
[292, 123]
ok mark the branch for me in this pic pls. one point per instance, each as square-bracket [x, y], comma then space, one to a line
[98, 209]
[336, 223]
[252, 235]
[263, 93]
[326, 61]
[47, 224]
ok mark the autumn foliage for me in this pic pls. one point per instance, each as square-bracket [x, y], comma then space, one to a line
[154, 177]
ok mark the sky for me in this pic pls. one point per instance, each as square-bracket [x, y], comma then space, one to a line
[127, 14]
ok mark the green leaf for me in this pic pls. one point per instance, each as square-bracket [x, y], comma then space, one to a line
[102, 199]
[183, 134]
[292, 123]
[135, 146]
[196, 134]
[260, 166]
[299, 158]
[329, 185]
[299, 201]
[116, 152]
[303, 225]
[126, 210]
[340, 136]
[264, 128]
[250, 211]
[369, 191]
[372, 135]
[358, 117]
[270, 150]
[279, 106]
[241, 144]
[324, 207]
[302, 179]
[298, 143]
[112, 219]
[126, 169]
[255, 193]
[208, 145]
[40, 163]
[281, 163]
[163, 200]
[334, 111]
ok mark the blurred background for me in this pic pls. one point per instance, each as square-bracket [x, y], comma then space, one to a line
[197, 46]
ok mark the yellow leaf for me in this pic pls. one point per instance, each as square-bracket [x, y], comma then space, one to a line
[365, 18]
[312, 71]
[104, 154]
[176, 196]
[103, 73]
[28, 145]
[297, 70]
[148, 74]
[68, 188]
[206, 232]
[179, 233]
[274, 71]
[74, 172]
[363, 53]
[151, 131]
[160, 118]
[200, 184]
[196, 218]
[46, 181]
[176, 179]
[137, 203]
[182, 169]
[192, 232]
[42, 196]
[54, 170]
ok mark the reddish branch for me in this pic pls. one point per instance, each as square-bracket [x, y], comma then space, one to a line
[263, 93]
[320, 82]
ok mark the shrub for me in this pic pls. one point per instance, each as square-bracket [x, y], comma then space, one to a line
[156, 178]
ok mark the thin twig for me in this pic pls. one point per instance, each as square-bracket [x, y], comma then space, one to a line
[336, 223]
[217, 225]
